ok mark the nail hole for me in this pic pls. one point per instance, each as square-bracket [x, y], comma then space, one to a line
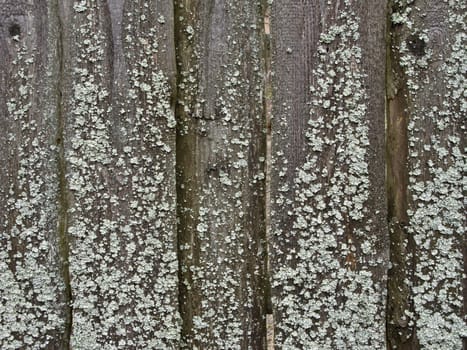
[416, 45]
[14, 30]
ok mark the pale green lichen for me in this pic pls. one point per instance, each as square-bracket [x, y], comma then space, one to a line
[31, 287]
[218, 82]
[324, 302]
[120, 161]
[436, 169]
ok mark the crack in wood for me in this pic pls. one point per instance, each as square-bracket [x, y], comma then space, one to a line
[63, 206]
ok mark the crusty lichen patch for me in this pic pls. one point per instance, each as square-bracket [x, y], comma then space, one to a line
[326, 293]
[31, 286]
[221, 177]
[432, 56]
[119, 147]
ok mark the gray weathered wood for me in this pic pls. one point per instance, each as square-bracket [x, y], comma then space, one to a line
[426, 125]
[119, 170]
[329, 248]
[33, 310]
[220, 167]
[122, 229]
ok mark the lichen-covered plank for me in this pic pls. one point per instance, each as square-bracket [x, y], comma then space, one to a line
[33, 309]
[119, 150]
[328, 243]
[426, 125]
[220, 168]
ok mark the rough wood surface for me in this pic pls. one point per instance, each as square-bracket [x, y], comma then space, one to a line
[119, 171]
[329, 249]
[144, 203]
[33, 311]
[426, 128]
[220, 167]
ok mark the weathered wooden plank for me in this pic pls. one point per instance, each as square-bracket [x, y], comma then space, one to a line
[119, 150]
[329, 247]
[220, 169]
[426, 125]
[33, 310]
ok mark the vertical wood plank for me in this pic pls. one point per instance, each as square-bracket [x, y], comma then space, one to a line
[33, 310]
[220, 169]
[119, 151]
[427, 106]
[329, 247]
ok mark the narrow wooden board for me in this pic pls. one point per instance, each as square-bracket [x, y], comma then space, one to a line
[220, 169]
[33, 297]
[426, 125]
[328, 243]
[118, 71]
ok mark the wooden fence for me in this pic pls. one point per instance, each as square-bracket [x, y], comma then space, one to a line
[232, 174]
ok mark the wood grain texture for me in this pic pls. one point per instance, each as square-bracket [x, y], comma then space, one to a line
[118, 73]
[427, 106]
[33, 310]
[144, 203]
[220, 169]
[329, 247]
